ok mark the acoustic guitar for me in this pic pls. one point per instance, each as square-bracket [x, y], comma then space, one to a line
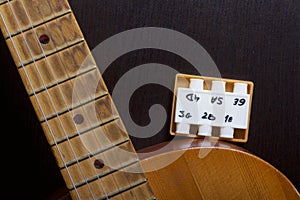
[89, 141]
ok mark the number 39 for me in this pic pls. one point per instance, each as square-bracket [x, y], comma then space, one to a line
[239, 102]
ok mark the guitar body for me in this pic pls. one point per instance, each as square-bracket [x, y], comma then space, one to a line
[207, 170]
[175, 169]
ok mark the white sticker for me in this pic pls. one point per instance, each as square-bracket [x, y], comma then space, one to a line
[212, 108]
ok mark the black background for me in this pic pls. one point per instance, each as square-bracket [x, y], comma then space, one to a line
[248, 40]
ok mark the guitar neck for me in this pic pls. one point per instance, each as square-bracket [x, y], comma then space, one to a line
[80, 121]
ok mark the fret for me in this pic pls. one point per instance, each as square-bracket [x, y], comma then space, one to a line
[2, 1]
[136, 193]
[88, 86]
[77, 59]
[68, 95]
[34, 14]
[62, 33]
[59, 7]
[113, 184]
[57, 68]
[43, 74]
[114, 159]
[90, 115]
[13, 13]
[91, 142]
[38, 11]
[71, 100]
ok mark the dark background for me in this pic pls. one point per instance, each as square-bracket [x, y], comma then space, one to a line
[248, 40]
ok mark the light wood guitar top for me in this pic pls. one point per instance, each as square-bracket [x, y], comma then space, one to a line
[198, 169]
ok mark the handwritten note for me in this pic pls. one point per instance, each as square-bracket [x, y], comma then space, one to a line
[206, 107]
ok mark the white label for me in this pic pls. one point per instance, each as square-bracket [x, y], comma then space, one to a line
[212, 108]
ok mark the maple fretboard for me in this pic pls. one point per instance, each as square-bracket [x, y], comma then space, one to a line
[80, 121]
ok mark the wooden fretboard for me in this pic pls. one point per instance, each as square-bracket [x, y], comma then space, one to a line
[92, 148]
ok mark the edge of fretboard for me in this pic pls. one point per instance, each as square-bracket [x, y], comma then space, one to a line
[69, 127]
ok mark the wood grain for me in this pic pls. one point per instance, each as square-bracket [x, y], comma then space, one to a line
[209, 170]
[93, 142]
[36, 13]
[62, 32]
[249, 40]
[68, 109]
[68, 95]
[57, 68]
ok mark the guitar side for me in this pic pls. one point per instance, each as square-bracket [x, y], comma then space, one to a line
[203, 169]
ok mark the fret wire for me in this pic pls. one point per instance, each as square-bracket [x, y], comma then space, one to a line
[50, 54]
[38, 24]
[89, 157]
[44, 55]
[68, 110]
[39, 105]
[104, 128]
[3, 2]
[101, 184]
[52, 85]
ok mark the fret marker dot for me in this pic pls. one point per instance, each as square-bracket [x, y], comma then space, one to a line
[78, 119]
[99, 164]
[44, 39]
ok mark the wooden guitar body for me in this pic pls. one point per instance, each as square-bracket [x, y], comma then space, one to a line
[208, 170]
